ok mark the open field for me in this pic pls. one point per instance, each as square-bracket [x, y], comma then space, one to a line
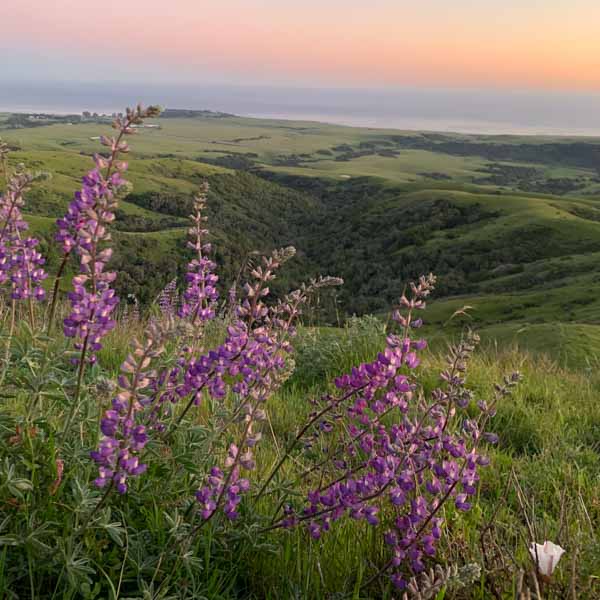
[511, 225]
[201, 449]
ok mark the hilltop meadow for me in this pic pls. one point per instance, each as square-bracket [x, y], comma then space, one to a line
[510, 225]
[214, 435]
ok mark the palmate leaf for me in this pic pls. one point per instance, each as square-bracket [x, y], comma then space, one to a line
[37, 544]
[73, 561]
[90, 592]
[7, 540]
[34, 539]
[7, 422]
[150, 591]
[115, 531]
[79, 571]
[19, 487]
[85, 498]
[16, 486]
[174, 520]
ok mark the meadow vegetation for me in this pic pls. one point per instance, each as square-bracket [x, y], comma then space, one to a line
[219, 436]
[507, 223]
[542, 483]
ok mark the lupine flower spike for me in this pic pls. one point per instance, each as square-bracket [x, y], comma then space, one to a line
[168, 299]
[257, 366]
[124, 425]
[21, 264]
[84, 229]
[200, 297]
[413, 461]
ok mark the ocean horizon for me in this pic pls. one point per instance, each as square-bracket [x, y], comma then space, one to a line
[495, 112]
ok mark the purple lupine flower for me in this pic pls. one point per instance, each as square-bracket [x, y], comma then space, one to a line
[218, 486]
[91, 312]
[461, 502]
[93, 187]
[232, 296]
[20, 261]
[104, 179]
[252, 347]
[168, 299]
[125, 425]
[84, 229]
[412, 460]
[200, 297]
[250, 364]
[198, 304]
[21, 264]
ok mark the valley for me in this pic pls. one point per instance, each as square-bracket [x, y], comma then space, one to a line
[509, 224]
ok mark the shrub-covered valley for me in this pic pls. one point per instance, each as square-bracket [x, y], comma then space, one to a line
[511, 226]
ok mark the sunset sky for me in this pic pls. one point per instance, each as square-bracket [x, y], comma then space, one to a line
[514, 44]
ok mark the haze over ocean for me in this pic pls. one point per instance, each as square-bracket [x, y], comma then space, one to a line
[493, 111]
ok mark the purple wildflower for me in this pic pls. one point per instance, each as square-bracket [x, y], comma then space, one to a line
[412, 460]
[251, 364]
[85, 229]
[124, 427]
[200, 297]
[20, 261]
[168, 299]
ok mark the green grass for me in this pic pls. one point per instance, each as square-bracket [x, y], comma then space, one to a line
[270, 140]
[549, 448]
[526, 264]
[521, 258]
[405, 168]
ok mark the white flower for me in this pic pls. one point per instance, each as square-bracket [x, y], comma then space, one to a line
[546, 556]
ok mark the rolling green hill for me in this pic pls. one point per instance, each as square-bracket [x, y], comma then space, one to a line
[511, 225]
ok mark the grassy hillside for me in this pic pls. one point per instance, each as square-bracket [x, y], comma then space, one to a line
[246, 214]
[511, 225]
[514, 238]
[542, 481]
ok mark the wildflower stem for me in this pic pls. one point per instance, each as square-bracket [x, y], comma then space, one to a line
[95, 510]
[422, 528]
[340, 451]
[191, 401]
[75, 402]
[31, 313]
[300, 435]
[181, 417]
[17, 193]
[327, 510]
[55, 288]
[196, 529]
[229, 475]
[13, 308]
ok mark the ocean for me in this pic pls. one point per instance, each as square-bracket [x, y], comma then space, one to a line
[497, 112]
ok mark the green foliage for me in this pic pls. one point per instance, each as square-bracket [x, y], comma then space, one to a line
[376, 208]
[55, 543]
[373, 206]
[323, 353]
